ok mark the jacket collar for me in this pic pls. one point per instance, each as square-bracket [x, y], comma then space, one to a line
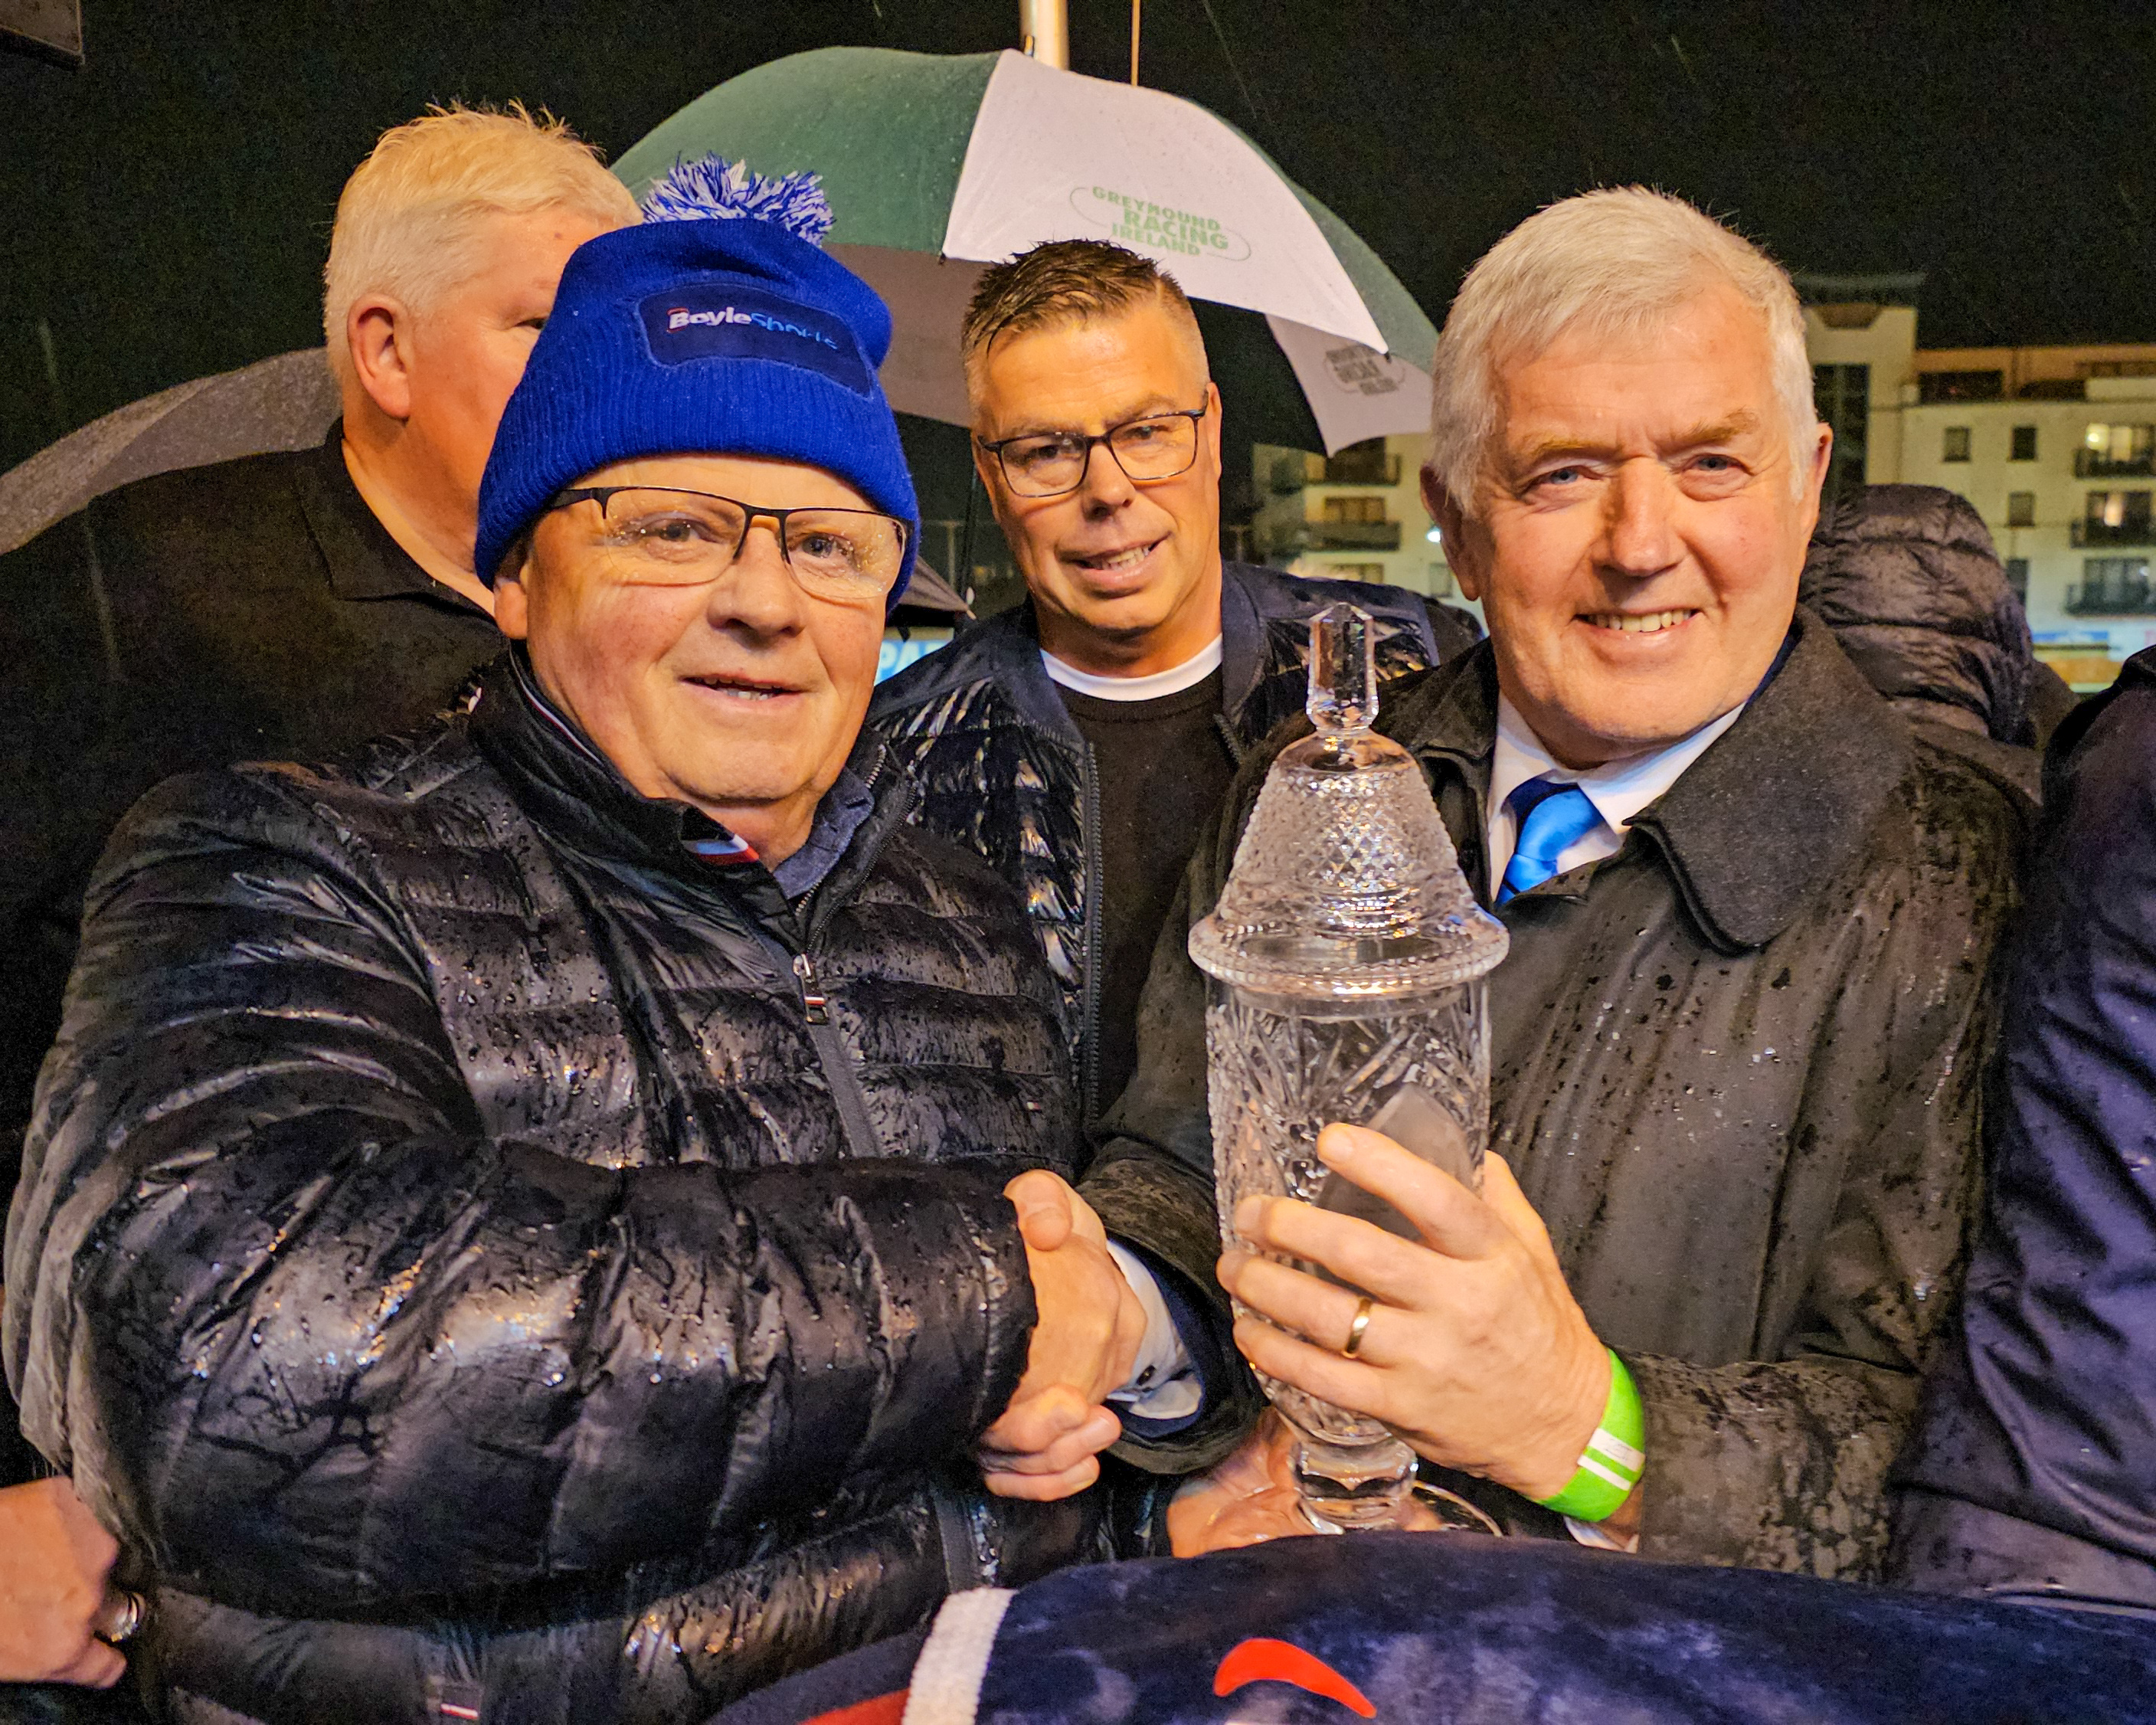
[1006, 649]
[364, 563]
[1243, 655]
[580, 797]
[1783, 801]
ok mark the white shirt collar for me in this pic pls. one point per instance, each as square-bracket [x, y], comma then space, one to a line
[1619, 789]
[1174, 680]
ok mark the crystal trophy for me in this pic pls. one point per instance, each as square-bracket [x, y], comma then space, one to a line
[1347, 957]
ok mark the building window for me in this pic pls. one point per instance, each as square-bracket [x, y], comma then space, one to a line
[1354, 509]
[2021, 509]
[2024, 444]
[2017, 578]
[1961, 385]
[1956, 444]
[2116, 518]
[1375, 572]
[2116, 452]
[1442, 583]
[2111, 587]
[1843, 396]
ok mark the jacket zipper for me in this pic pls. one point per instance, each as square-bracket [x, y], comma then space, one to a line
[840, 1074]
[1229, 738]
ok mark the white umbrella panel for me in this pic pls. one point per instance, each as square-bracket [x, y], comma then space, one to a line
[935, 166]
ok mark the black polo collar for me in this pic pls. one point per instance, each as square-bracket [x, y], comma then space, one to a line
[364, 563]
[1782, 801]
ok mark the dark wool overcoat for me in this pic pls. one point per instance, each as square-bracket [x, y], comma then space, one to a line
[479, 1253]
[1737, 1067]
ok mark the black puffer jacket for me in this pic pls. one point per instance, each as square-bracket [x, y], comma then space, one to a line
[1004, 771]
[1908, 580]
[452, 1218]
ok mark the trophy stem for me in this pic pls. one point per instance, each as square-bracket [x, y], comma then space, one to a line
[1349, 1486]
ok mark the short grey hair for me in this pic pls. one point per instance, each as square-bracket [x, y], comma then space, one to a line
[1617, 262]
[412, 214]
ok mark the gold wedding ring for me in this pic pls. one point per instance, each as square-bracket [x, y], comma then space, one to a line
[119, 1617]
[1356, 1330]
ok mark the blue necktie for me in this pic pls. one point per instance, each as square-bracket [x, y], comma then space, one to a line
[1554, 816]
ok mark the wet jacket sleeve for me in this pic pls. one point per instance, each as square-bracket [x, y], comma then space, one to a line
[2032, 1455]
[1782, 1463]
[313, 1337]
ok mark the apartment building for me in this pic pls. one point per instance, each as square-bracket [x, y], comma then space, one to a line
[2055, 446]
[1357, 515]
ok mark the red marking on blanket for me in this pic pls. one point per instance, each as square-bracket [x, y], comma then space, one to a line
[883, 1710]
[1258, 1660]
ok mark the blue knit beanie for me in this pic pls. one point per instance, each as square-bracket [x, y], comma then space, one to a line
[699, 336]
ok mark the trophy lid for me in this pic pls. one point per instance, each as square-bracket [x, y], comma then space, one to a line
[1346, 885]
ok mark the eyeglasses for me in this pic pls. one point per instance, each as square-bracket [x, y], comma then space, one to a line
[669, 537]
[1051, 464]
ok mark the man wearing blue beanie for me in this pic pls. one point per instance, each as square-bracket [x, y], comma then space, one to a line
[565, 1216]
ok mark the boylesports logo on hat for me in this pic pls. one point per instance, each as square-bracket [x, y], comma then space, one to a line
[716, 321]
[681, 317]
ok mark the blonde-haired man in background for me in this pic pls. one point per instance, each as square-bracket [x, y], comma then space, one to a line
[450, 239]
[283, 606]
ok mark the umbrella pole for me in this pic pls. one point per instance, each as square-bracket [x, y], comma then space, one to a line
[1137, 8]
[972, 486]
[93, 570]
[1044, 29]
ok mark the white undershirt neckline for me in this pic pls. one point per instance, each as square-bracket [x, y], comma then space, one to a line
[1619, 790]
[1174, 680]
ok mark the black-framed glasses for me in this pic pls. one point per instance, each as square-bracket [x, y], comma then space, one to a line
[673, 537]
[1051, 464]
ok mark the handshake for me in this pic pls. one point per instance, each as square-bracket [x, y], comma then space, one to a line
[1086, 1332]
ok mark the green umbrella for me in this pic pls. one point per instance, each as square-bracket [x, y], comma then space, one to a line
[934, 165]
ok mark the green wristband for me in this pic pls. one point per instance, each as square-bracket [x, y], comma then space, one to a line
[1611, 1465]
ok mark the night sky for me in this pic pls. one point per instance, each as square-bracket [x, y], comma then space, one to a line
[167, 209]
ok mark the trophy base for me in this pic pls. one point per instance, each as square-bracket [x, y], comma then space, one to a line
[1349, 1488]
[1368, 1489]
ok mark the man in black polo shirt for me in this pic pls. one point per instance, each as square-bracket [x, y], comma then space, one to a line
[283, 606]
[286, 606]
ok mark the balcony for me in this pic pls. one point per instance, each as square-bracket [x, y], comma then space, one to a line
[2133, 597]
[1933, 387]
[1352, 535]
[2091, 464]
[2134, 530]
[1362, 466]
[1355, 466]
